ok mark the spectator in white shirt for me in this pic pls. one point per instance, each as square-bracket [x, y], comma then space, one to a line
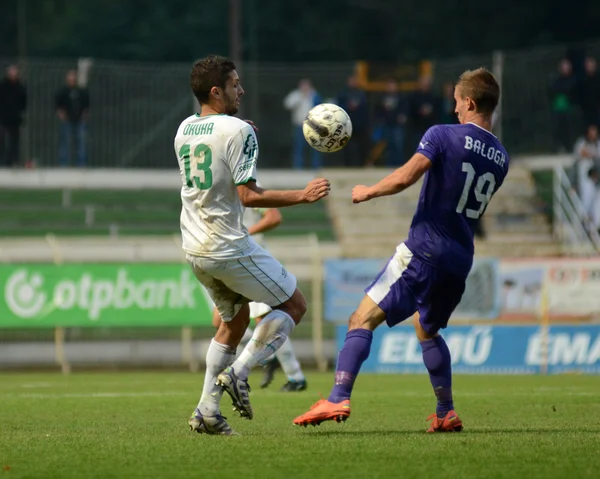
[587, 155]
[590, 199]
[299, 102]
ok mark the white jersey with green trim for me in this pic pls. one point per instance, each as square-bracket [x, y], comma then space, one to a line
[216, 153]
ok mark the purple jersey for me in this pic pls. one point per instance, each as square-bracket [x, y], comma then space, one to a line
[468, 166]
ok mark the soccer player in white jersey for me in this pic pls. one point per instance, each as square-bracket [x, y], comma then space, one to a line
[217, 158]
[259, 221]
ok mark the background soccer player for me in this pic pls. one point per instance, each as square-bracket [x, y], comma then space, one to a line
[217, 159]
[464, 165]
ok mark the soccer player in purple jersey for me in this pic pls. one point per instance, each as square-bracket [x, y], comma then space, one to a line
[464, 165]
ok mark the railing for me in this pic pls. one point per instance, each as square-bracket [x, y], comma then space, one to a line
[137, 107]
[571, 225]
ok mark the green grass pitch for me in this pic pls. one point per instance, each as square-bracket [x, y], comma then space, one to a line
[130, 425]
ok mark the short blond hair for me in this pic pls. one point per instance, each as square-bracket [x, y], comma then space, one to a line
[481, 87]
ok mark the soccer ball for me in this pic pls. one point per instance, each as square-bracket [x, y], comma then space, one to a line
[327, 128]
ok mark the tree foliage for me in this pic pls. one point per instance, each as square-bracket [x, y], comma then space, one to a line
[282, 31]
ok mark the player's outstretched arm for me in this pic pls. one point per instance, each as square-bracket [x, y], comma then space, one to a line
[395, 182]
[270, 219]
[253, 196]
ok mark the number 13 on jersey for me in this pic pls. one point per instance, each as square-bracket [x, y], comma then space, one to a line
[201, 161]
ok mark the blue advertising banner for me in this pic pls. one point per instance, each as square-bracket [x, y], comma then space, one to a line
[346, 280]
[489, 349]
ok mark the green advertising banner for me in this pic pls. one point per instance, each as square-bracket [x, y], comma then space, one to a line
[101, 295]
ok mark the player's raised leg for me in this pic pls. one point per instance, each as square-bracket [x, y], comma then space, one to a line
[257, 312]
[271, 363]
[272, 332]
[388, 298]
[284, 357]
[355, 351]
[247, 335]
[262, 278]
[268, 337]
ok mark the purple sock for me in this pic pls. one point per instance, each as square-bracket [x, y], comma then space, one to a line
[356, 349]
[436, 357]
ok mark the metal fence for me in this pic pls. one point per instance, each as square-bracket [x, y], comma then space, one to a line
[526, 120]
[136, 108]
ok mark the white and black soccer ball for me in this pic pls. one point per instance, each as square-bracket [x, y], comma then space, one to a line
[327, 128]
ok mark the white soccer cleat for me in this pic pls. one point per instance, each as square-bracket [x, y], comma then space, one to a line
[214, 425]
[238, 389]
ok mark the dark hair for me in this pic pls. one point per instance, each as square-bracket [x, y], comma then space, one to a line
[481, 87]
[209, 72]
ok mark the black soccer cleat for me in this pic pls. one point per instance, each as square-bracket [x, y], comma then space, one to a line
[270, 369]
[293, 386]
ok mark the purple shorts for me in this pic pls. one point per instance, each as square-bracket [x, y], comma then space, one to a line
[407, 285]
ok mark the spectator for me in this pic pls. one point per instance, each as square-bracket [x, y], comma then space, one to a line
[299, 102]
[448, 105]
[422, 113]
[390, 118]
[590, 199]
[562, 91]
[589, 92]
[13, 102]
[72, 107]
[354, 100]
[587, 155]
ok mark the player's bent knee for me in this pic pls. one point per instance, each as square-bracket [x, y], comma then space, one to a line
[295, 306]
[354, 322]
[368, 315]
[359, 321]
[422, 335]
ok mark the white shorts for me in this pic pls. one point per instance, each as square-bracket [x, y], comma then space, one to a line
[258, 310]
[255, 276]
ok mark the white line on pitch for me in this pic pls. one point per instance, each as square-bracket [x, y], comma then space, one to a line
[95, 395]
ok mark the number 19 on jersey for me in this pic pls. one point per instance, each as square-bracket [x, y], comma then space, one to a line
[486, 180]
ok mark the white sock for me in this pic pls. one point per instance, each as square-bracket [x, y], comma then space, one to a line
[268, 336]
[218, 358]
[247, 335]
[289, 363]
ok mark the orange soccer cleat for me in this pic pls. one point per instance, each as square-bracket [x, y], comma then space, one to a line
[449, 423]
[323, 410]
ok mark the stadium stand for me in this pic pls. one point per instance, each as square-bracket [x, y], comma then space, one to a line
[515, 223]
[67, 212]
